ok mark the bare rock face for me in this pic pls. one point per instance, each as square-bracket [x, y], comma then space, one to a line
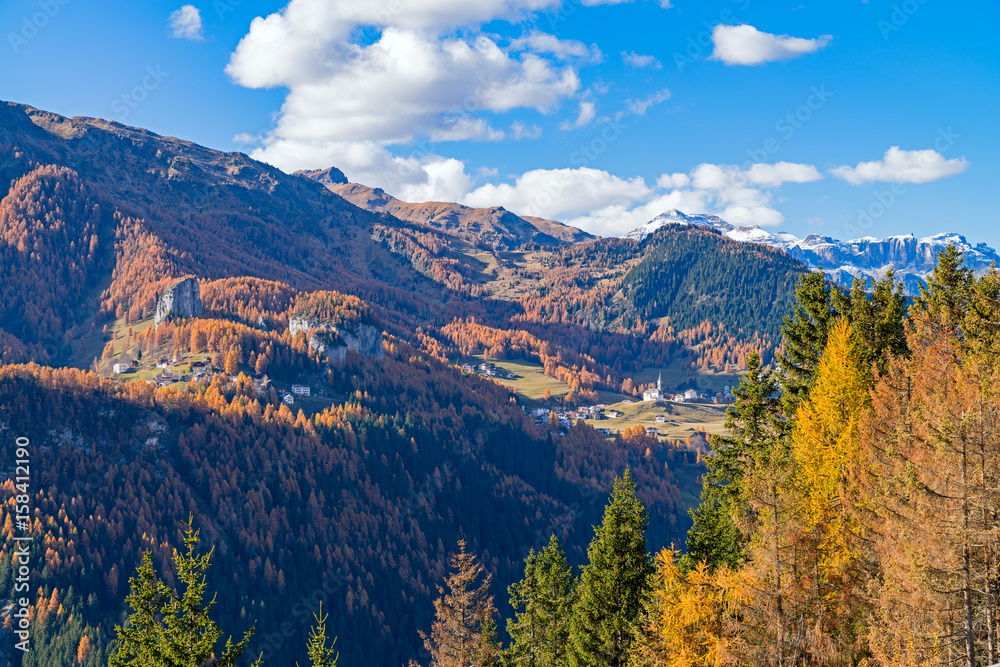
[362, 338]
[182, 299]
[328, 343]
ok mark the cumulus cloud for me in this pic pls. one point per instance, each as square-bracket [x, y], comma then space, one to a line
[185, 23]
[745, 45]
[782, 172]
[429, 74]
[608, 205]
[633, 59]
[557, 193]
[899, 166]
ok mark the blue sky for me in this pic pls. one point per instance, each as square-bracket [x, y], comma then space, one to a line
[601, 113]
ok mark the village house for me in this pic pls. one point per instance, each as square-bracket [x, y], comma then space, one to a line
[288, 399]
[120, 368]
[660, 419]
[691, 395]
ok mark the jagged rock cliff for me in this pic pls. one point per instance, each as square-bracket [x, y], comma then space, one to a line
[182, 299]
[334, 340]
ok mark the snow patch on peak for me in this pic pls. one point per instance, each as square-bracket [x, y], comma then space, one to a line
[865, 257]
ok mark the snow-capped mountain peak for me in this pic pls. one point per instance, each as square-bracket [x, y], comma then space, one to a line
[912, 259]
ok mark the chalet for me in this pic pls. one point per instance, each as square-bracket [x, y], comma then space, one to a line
[613, 414]
[467, 368]
[288, 399]
[606, 432]
[660, 419]
[163, 362]
[652, 431]
[198, 364]
[120, 368]
[300, 389]
[679, 398]
[166, 378]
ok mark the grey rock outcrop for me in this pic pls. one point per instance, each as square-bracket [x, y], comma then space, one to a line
[362, 338]
[182, 299]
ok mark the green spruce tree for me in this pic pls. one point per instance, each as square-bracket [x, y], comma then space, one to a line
[320, 655]
[543, 603]
[614, 583]
[167, 629]
[945, 299]
[755, 424]
[804, 334]
[877, 319]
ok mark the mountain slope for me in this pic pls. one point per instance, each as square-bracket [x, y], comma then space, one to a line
[361, 491]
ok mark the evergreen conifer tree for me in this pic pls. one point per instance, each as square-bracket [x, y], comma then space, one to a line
[320, 655]
[614, 583]
[804, 335]
[755, 423]
[167, 629]
[543, 603]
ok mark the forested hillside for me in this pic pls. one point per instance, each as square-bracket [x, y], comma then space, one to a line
[363, 488]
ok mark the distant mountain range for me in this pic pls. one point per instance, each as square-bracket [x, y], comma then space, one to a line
[912, 258]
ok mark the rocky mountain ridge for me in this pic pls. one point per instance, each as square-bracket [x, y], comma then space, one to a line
[492, 227]
[910, 257]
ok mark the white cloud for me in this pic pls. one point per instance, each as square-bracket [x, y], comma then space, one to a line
[745, 45]
[245, 138]
[465, 128]
[633, 59]
[671, 181]
[185, 23]
[605, 204]
[557, 193]
[782, 172]
[901, 166]
[640, 107]
[520, 130]
[564, 49]
[588, 111]
[429, 74]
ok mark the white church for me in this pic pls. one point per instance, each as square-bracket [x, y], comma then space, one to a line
[654, 394]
